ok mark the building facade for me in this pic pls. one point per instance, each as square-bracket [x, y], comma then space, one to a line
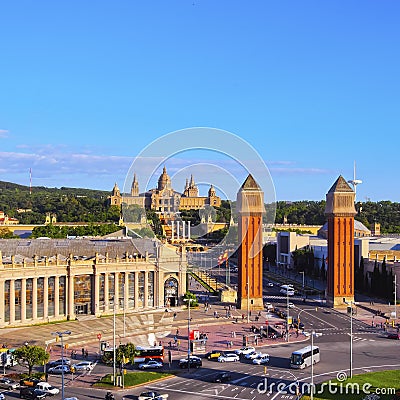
[164, 199]
[45, 280]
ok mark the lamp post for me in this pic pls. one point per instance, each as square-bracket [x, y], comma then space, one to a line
[312, 362]
[350, 303]
[287, 315]
[61, 335]
[114, 344]
[302, 272]
[188, 301]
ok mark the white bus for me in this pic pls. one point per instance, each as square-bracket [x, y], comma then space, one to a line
[287, 290]
[303, 358]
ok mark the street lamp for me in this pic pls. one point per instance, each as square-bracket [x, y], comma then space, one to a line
[61, 335]
[313, 333]
[188, 301]
[350, 303]
[302, 272]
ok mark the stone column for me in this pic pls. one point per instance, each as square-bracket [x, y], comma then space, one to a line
[45, 297]
[126, 290]
[177, 230]
[172, 230]
[146, 289]
[71, 304]
[2, 308]
[12, 301]
[34, 298]
[136, 287]
[188, 233]
[23, 299]
[116, 290]
[96, 292]
[56, 296]
[106, 293]
[183, 229]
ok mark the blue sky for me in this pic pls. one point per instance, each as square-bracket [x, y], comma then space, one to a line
[310, 85]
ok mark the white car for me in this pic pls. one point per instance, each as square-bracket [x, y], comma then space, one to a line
[262, 359]
[152, 396]
[270, 284]
[291, 305]
[151, 364]
[227, 357]
[47, 388]
[252, 355]
[60, 369]
[7, 383]
[83, 366]
[245, 350]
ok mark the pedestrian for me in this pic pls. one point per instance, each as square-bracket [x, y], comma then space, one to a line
[227, 343]
[174, 315]
[83, 352]
[177, 331]
[231, 343]
[86, 354]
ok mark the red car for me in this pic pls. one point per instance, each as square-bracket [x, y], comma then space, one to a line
[395, 336]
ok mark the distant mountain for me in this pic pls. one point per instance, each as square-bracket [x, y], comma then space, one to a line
[9, 186]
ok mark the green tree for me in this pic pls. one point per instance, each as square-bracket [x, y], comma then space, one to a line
[191, 297]
[125, 354]
[29, 356]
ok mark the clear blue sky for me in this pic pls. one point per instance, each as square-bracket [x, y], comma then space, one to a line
[311, 85]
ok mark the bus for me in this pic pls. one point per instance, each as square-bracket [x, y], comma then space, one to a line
[303, 358]
[287, 290]
[143, 354]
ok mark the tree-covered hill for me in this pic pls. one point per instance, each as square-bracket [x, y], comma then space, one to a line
[87, 205]
[68, 204]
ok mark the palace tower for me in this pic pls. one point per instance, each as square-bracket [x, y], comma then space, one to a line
[250, 208]
[340, 213]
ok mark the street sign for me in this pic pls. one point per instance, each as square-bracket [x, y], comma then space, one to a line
[99, 336]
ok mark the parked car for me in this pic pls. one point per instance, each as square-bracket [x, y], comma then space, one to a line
[60, 361]
[393, 335]
[60, 369]
[151, 364]
[29, 382]
[152, 396]
[252, 355]
[47, 388]
[227, 357]
[213, 354]
[195, 362]
[222, 377]
[261, 359]
[7, 383]
[270, 284]
[83, 366]
[31, 393]
[245, 350]
[2, 397]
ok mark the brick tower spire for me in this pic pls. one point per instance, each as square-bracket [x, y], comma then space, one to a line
[250, 208]
[340, 212]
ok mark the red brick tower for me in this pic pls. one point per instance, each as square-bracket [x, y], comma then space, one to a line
[340, 212]
[250, 208]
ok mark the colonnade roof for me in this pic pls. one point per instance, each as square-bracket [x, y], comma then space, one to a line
[77, 247]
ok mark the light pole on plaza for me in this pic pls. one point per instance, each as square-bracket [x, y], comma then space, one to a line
[302, 272]
[313, 333]
[188, 300]
[350, 303]
[61, 336]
